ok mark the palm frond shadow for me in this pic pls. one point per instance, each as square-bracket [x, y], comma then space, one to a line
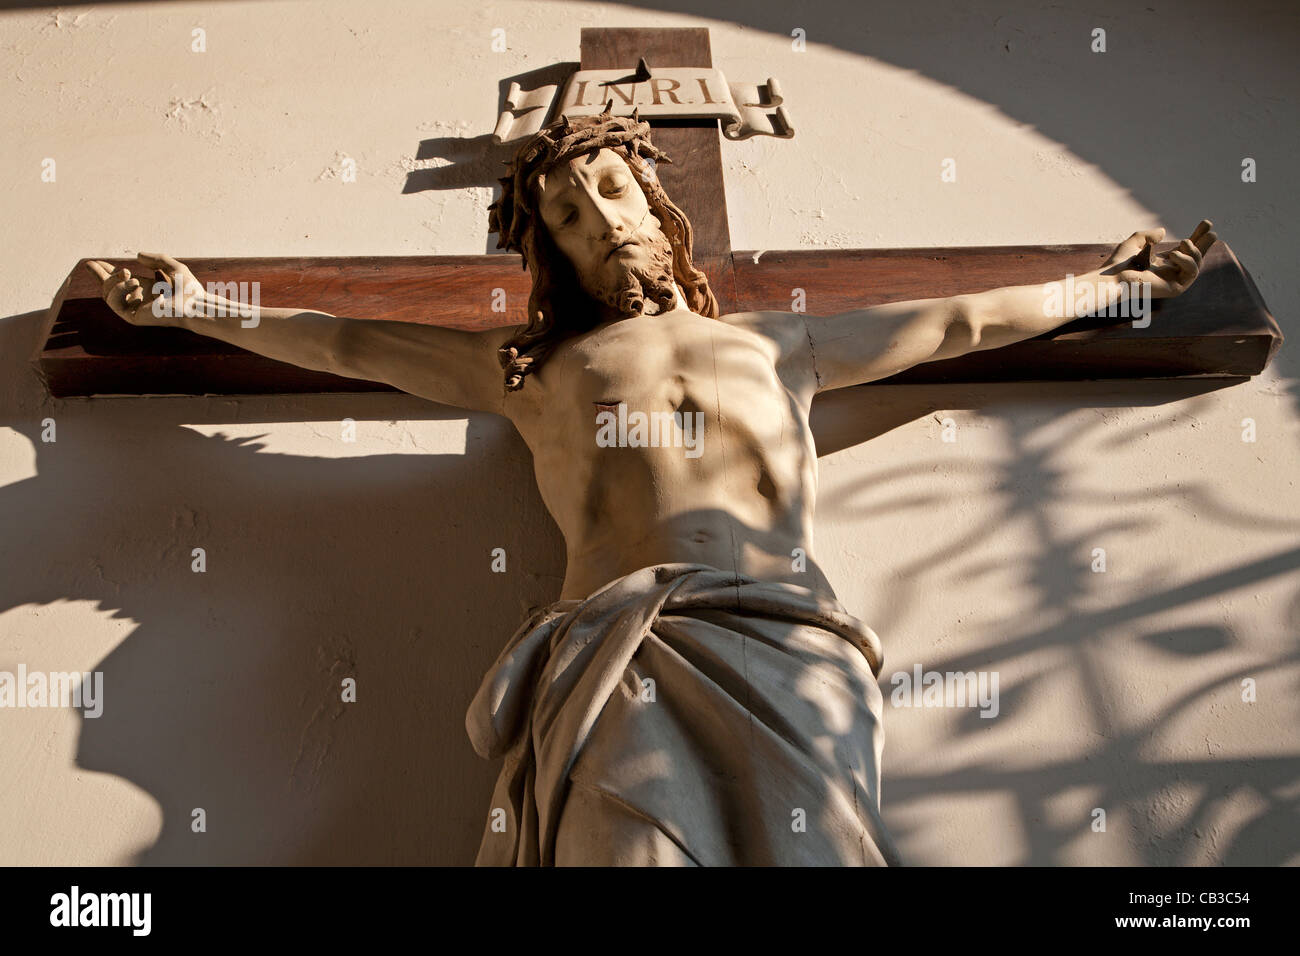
[1170, 803]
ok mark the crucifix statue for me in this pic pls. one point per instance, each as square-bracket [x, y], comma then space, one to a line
[697, 694]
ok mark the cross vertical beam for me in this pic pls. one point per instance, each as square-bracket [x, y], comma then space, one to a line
[693, 180]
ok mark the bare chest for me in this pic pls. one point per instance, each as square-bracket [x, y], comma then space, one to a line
[676, 362]
[666, 409]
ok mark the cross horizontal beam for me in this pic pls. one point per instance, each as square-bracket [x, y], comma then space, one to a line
[1220, 327]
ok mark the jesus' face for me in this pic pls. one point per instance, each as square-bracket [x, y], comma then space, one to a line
[598, 216]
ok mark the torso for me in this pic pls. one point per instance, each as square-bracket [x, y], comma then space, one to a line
[741, 500]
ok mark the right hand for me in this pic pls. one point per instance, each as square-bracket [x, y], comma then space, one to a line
[174, 294]
[1167, 274]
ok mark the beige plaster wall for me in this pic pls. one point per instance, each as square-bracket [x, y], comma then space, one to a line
[326, 559]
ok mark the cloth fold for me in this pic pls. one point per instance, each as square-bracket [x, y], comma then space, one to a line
[685, 715]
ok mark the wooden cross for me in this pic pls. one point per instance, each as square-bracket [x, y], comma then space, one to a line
[1219, 328]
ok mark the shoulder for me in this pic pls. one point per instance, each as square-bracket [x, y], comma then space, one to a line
[782, 328]
[787, 333]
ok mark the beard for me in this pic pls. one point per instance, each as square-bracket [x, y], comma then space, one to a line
[645, 286]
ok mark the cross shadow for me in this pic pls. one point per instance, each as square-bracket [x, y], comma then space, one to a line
[1067, 635]
[228, 696]
[478, 160]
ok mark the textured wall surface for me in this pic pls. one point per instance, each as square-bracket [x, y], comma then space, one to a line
[327, 559]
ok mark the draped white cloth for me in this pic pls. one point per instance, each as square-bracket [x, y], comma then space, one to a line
[685, 715]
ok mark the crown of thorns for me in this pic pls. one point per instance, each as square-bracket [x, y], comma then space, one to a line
[511, 216]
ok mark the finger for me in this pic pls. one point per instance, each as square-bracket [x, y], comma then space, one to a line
[100, 268]
[1135, 243]
[1189, 248]
[155, 260]
[1186, 264]
[115, 298]
[1202, 227]
[138, 297]
[1206, 239]
[1145, 237]
[114, 280]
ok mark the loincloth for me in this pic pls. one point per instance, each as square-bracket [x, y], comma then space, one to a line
[683, 714]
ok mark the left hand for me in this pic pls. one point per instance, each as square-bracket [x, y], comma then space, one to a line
[1169, 273]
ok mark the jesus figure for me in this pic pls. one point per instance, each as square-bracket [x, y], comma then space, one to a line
[696, 694]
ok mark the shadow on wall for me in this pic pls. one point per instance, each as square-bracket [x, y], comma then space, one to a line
[1064, 634]
[226, 695]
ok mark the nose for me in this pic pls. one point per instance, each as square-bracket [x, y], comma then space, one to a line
[608, 221]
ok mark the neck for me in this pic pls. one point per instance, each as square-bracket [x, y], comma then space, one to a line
[680, 301]
[610, 314]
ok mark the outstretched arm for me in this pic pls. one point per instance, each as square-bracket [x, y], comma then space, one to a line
[868, 344]
[443, 365]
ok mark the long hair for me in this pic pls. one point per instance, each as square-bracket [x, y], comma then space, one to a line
[557, 305]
